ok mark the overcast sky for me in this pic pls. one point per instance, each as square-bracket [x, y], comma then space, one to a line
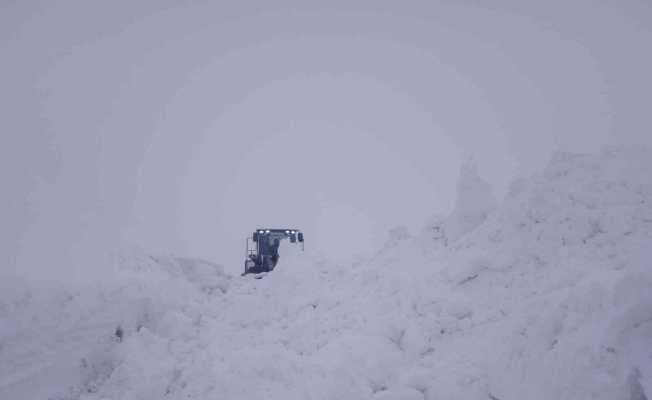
[182, 126]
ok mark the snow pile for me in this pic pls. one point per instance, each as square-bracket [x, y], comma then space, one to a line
[546, 296]
[58, 342]
[475, 201]
[552, 292]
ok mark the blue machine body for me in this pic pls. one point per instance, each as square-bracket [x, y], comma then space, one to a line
[262, 248]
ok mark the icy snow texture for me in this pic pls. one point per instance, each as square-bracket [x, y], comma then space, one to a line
[546, 296]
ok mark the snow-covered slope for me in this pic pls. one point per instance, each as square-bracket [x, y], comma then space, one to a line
[545, 296]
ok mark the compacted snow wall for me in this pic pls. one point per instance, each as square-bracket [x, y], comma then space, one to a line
[544, 296]
[556, 282]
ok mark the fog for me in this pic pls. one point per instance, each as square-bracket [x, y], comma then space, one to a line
[182, 126]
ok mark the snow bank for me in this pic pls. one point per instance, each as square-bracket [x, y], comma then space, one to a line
[545, 296]
[552, 292]
[59, 342]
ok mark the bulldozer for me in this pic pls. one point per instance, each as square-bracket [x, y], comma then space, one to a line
[262, 248]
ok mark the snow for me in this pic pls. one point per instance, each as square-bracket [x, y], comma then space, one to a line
[545, 295]
[475, 201]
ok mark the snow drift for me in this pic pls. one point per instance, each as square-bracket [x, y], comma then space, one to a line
[545, 296]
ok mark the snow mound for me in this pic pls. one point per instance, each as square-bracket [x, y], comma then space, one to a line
[59, 342]
[551, 294]
[545, 296]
